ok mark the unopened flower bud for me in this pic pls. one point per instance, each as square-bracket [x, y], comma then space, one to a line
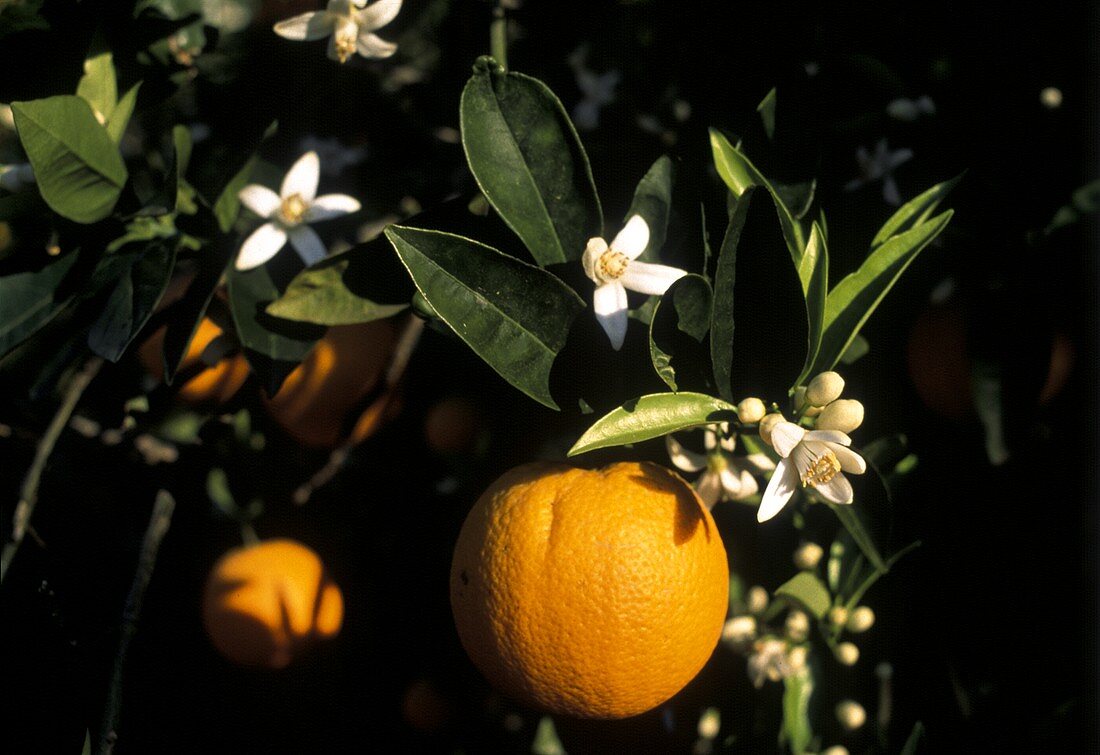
[757, 599]
[751, 410]
[808, 555]
[768, 424]
[850, 714]
[796, 658]
[836, 750]
[838, 616]
[862, 619]
[709, 723]
[847, 653]
[797, 626]
[824, 389]
[739, 630]
[843, 414]
[884, 671]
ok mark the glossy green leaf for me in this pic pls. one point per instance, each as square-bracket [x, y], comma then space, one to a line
[797, 729]
[807, 590]
[721, 324]
[653, 201]
[652, 416]
[250, 291]
[30, 300]
[513, 315]
[857, 349]
[529, 162]
[914, 212]
[860, 533]
[320, 295]
[132, 302]
[766, 108]
[814, 269]
[684, 308]
[120, 116]
[857, 296]
[78, 168]
[97, 86]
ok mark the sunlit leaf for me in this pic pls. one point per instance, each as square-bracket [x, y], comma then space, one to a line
[97, 86]
[797, 729]
[651, 417]
[529, 162]
[914, 212]
[250, 291]
[321, 295]
[814, 268]
[120, 117]
[808, 591]
[766, 108]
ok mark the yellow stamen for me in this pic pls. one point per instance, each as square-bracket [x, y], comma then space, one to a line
[823, 469]
[612, 265]
[293, 209]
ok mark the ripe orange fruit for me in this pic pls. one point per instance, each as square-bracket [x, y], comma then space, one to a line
[453, 425]
[264, 603]
[596, 594]
[318, 397]
[213, 385]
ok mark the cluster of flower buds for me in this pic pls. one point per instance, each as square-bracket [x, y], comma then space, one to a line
[772, 653]
[821, 399]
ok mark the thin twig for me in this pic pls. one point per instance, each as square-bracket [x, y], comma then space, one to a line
[28, 494]
[402, 353]
[159, 522]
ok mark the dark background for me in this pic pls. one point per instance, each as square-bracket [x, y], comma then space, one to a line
[990, 626]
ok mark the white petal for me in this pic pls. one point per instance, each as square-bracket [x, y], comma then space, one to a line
[780, 489]
[785, 436]
[260, 199]
[850, 461]
[760, 462]
[829, 436]
[263, 244]
[731, 482]
[836, 490]
[609, 302]
[633, 238]
[709, 488]
[744, 486]
[646, 278]
[592, 253]
[686, 460]
[331, 206]
[376, 15]
[308, 244]
[373, 46]
[307, 26]
[302, 178]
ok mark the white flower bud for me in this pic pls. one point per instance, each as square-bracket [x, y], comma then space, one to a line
[838, 616]
[767, 424]
[836, 750]
[884, 671]
[808, 556]
[824, 389]
[796, 658]
[862, 619]
[847, 653]
[843, 414]
[739, 630]
[709, 723]
[850, 714]
[757, 599]
[797, 626]
[751, 410]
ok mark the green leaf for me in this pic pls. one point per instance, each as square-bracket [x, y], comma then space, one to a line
[721, 323]
[320, 295]
[814, 268]
[684, 308]
[855, 297]
[868, 581]
[144, 229]
[529, 162]
[120, 117]
[740, 175]
[228, 205]
[914, 212]
[1084, 201]
[849, 517]
[546, 740]
[766, 108]
[250, 291]
[797, 730]
[807, 590]
[987, 386]
[132, 302]
[30, 300]
[910, 746]
[97, 86]
[513, 315]
[185, 193]
[651, 417]
[78, 168]
[653, 201]
[857, 349]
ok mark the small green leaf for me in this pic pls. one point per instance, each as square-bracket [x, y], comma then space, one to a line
[766, 108]
[97, 86]
[529, 162]
[814, 269]
[910, 746]
[321, 295]
[1084, 201]
[217, 490]
[132, 302]
[651, 417]
[546, 739]
[987, 386]
[78, 168]
[684, 308]
[120, 117]
[513, 315]
[653, 201]
[857, 349]
[250, 291]
[30, 300]
[808, 591]
[721, 324]
[797, 730]
[914, 212]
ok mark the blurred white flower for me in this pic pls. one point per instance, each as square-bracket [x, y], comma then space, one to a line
[288, 212]
[350, 23]
[815, 458]
[768, 661]
[880, 166]
[614, 269]
[905, 109]
[726, 477]
[335, 156]
[597, 90]
[16, 177]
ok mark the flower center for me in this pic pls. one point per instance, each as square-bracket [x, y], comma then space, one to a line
[293, 209]
[612, 265]
[345, 37]
[716, 462]
[823, 469]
